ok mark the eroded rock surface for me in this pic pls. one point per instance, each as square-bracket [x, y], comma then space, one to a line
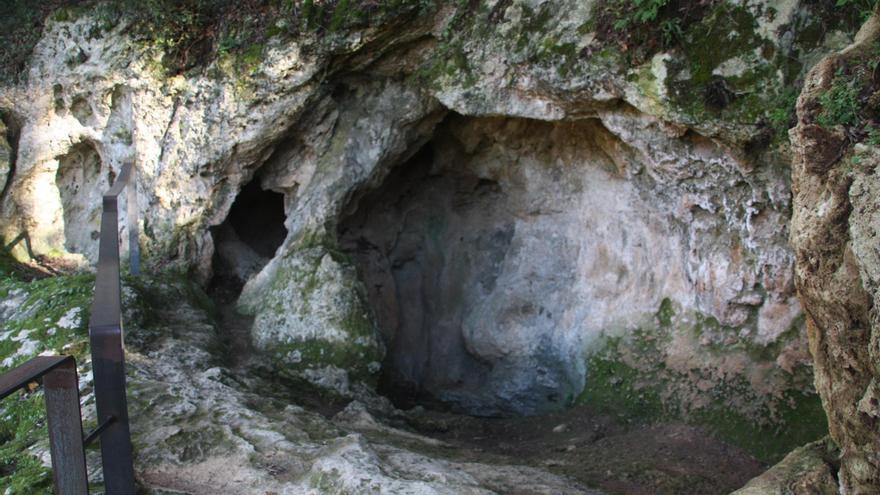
[200, 428]
[834, 233]
[808, 470]
[625, 217]
[506, 247]
[5, 156]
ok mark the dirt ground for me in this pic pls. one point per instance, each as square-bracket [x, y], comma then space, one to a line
[598, 451]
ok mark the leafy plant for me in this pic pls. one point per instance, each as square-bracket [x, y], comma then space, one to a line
[840, 104]
[873, 136]
[671, 31]
[864, 7]
[781, 115]
[647, 10]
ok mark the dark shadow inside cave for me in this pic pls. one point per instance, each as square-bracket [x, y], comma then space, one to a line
[246, 241]
[432, 244]
[396, 265]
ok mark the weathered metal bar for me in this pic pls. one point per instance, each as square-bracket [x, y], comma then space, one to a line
[108, 355]
[29, 372]
[61, 392]
[108, 367]
[65, 430]
[96, 433]
[134, 252]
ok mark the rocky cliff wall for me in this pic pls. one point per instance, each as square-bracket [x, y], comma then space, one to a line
[643, 189]
[834, 233]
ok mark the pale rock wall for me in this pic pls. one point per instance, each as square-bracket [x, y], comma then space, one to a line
[326, 120]
[491, 291]
[5, 155]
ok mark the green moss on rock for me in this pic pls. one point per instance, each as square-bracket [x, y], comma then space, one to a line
[642, 377]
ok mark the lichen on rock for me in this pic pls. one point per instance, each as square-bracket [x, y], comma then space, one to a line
[506, 205]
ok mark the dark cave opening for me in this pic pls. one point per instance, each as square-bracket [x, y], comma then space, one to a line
[436, 248]
[393, 268]
[247, 239]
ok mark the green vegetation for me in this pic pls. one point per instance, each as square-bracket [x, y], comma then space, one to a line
[721, 68]
[802, 420]
[192, 33]
[614, 387]
[640, 12]
[840, 104]
[781, 115]
[51, 316]
[636, 395]
[641, 28]
[666, 312]
[852, 101]
[863, 7]
[21, 23]
[297, 280]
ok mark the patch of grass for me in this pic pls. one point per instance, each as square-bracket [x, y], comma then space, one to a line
[853, 99]
[53, 314]
[23, 425]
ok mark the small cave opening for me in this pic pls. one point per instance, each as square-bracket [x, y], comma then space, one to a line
[81, 180]
[246, 240]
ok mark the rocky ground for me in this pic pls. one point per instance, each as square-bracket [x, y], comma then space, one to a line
[613, 454]
[201, 403]
[600, 451]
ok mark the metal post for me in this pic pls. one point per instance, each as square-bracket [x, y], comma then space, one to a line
[111, 403]
[134, 252]
[65, 430]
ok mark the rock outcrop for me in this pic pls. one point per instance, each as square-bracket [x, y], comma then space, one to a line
[808, 470]
[834, 234]
[557, 210]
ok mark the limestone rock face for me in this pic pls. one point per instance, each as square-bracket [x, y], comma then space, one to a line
[5, 155]
[808, 470]
[506, 247]
[597, 197]
[834, 233]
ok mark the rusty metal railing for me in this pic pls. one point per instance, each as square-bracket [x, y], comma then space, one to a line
[58, 373]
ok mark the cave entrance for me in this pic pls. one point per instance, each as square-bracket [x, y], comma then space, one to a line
[247, 239]
[471, 255]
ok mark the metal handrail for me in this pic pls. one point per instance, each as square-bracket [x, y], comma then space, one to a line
[106, 338]
[61, 389]
[58, 373]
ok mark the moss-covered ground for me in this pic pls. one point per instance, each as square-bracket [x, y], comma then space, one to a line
[49, 315]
